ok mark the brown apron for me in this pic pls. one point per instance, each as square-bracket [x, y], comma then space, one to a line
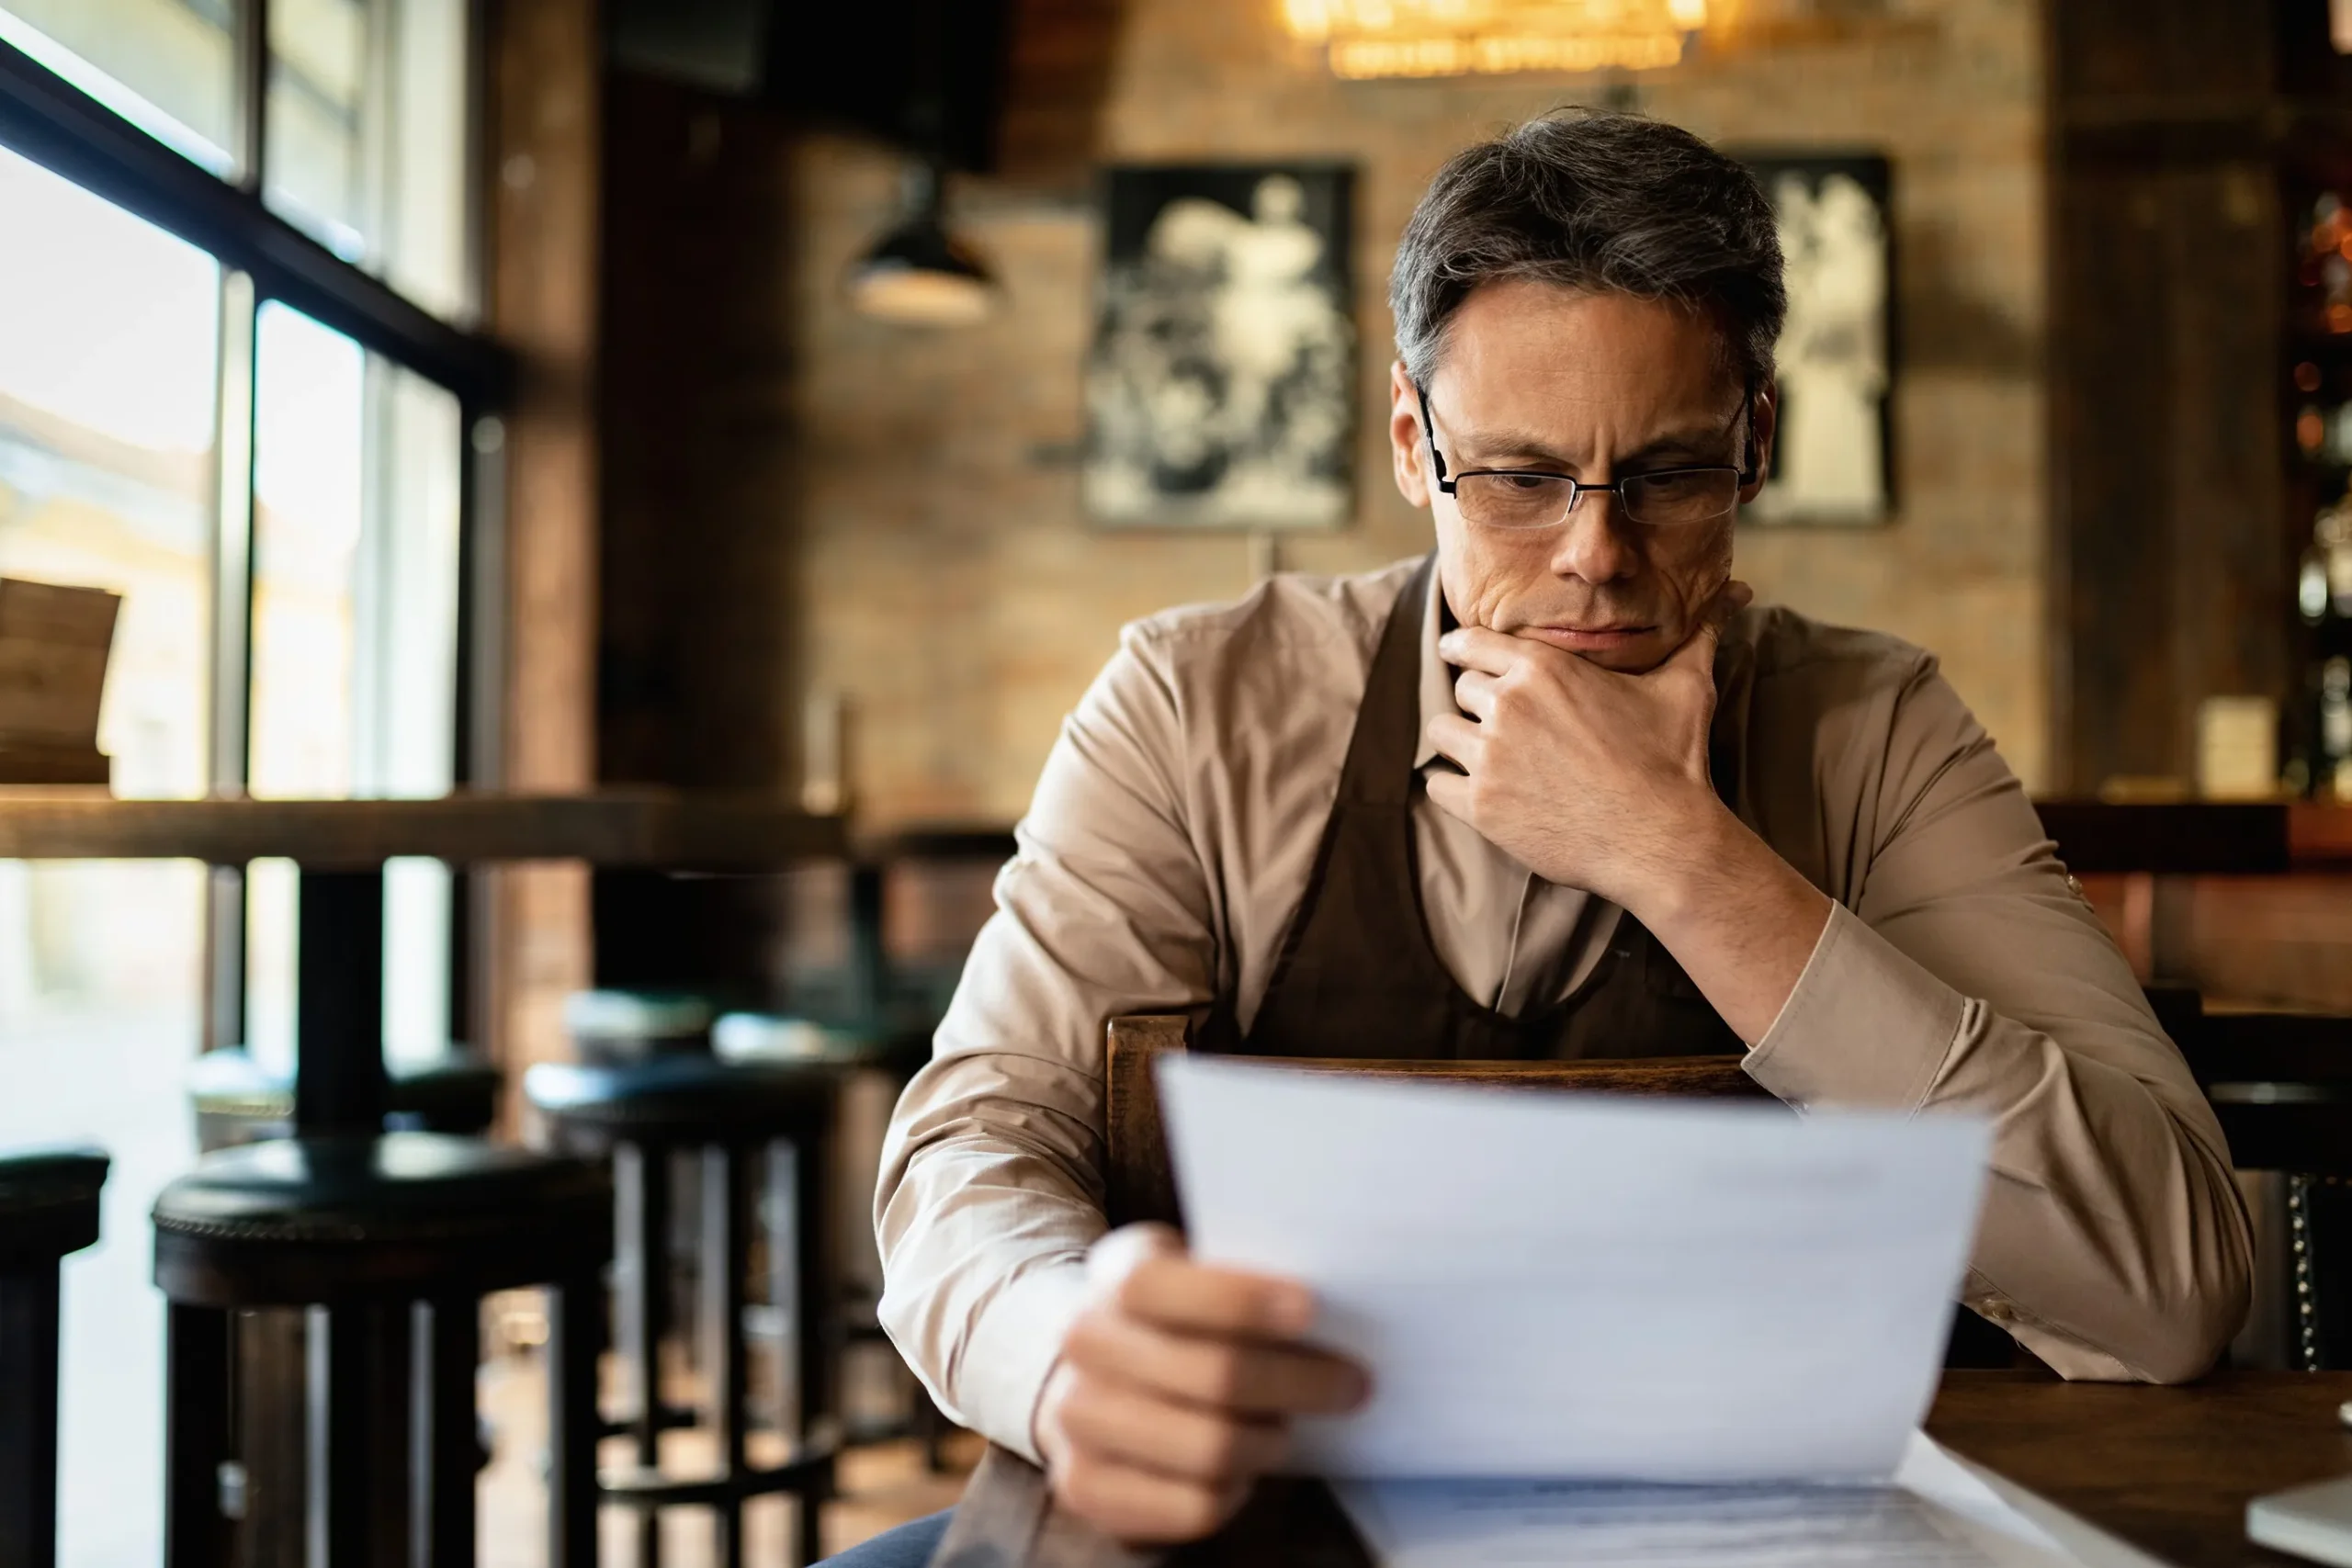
[1357, 975]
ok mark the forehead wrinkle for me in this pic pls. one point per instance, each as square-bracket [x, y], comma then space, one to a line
[1486, 444]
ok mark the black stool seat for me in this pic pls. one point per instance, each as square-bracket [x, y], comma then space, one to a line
[456, 1093]
[49, 1207]
[238, 1099]
[314, 1220]
[48, 1204]
[897, 1047]
[685, 1098]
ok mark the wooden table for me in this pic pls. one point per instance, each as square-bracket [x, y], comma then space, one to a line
[341, 846]
[2200, 838]
[612, 828]
[2169, 1469]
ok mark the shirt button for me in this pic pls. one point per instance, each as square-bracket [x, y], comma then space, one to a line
[1993, 1308]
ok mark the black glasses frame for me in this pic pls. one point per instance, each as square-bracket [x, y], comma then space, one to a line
[1577, 489]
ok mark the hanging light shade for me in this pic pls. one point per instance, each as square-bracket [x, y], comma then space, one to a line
[918, 274]
[1460, 38]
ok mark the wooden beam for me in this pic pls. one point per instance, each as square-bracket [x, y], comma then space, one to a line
[544, 168]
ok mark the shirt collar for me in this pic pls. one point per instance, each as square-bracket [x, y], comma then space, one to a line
[1437, 676]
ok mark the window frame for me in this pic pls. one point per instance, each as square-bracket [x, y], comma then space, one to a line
[55, 124]
[264, 257]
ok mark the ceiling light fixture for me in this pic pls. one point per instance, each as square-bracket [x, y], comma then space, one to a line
[1365, 39]
[918, 274]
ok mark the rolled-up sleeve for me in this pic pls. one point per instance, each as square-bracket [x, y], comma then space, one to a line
[990, 1187]
[1967, 972]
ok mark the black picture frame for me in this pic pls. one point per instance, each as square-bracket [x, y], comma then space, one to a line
[1221, 383]
[1841, 341]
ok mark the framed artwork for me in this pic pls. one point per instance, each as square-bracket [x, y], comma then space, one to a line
[1832, 462]
[1220, 390]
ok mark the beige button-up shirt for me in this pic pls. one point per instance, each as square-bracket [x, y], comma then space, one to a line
[1171, 839]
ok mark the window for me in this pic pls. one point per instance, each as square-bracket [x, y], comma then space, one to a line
[167, 66]
[291, 581]
[364, 129]
[107, 378]
[354, 628]
[367, 148]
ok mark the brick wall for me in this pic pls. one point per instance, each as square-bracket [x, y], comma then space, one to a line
[942, 573]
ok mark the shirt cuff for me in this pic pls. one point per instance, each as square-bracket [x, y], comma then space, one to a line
[2061, 1352]
[1865, 1026]
[1013, 1349]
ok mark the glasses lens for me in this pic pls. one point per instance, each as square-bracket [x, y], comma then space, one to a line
[1680, 496]
[1512, 501]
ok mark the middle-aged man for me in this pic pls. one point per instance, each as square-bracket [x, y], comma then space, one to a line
[1558, 789]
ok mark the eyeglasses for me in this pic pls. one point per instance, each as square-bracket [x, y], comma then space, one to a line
[1529, 499]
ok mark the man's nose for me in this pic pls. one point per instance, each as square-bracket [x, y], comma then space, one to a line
[1597, 543]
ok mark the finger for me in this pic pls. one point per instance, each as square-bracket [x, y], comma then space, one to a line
[1730, 600]
[1474, 693]
[1116, 1256]
[1137, 1505]
[1482, 648]
[1175, 1293]
[1697, 654]
[1698, 651]
[1449, 793]
[1181, 1440]
[1450, 734]
[1240, 1375]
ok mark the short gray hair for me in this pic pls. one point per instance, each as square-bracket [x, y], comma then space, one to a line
[1603, 202]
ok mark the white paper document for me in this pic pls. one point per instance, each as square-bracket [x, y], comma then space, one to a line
[1935, 1512]
[1554, 1287]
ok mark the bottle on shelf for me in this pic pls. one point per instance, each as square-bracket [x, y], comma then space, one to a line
[2334, 778]
[2323, 602]
[2324, 270]
[2325, 434]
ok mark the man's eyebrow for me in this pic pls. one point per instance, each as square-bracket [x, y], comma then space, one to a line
[1696, 441]
[1491, 445]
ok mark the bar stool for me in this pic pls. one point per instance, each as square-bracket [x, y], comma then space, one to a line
[616, 1025]
[2280, 1084]
[237, 1099]
[642, 1114]
[391, 1240]
[49, 1207]
[895, 1053]
[630, 1026]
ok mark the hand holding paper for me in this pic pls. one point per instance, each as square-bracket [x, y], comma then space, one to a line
[1176, 1387]
[1550, 1286]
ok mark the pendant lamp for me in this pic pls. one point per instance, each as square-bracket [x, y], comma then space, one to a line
[918, 274]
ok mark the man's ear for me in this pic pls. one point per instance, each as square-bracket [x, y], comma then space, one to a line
[1405, 442]
[1763, 425]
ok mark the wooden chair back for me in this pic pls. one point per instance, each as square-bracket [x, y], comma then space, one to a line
[1140, 1184]
[2282, 1085]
